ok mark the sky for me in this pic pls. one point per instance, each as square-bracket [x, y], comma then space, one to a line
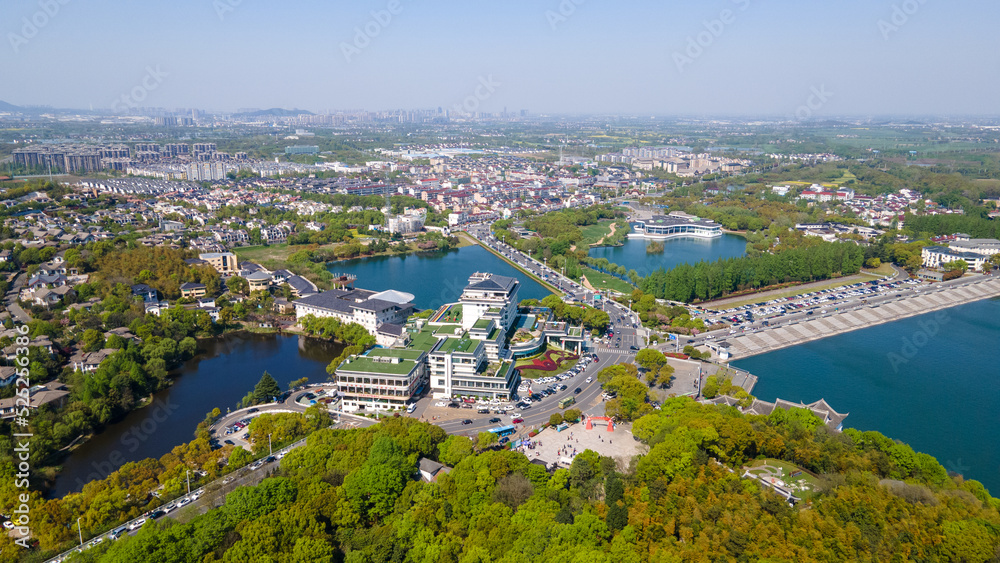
[803, 58]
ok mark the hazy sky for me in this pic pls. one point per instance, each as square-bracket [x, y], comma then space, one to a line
[776, 57]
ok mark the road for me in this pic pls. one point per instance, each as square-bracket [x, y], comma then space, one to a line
[10, 300]
[211, 495]
[290, 404]
[625, 323]
[587, 401]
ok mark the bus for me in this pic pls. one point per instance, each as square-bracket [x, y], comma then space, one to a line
[502, 431]
[566, 402]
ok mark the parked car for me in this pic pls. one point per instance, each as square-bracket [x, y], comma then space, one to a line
[494, 420]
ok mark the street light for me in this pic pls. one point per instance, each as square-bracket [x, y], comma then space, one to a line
[269, 451]
[188, 473]
[79, 529]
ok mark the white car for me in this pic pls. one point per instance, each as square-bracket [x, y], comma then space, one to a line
[515, 415]
[137, 524]
[589, 379]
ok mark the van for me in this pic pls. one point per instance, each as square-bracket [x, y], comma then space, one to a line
[411, 408]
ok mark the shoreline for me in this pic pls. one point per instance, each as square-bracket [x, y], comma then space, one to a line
[542, 282]
[833, 324]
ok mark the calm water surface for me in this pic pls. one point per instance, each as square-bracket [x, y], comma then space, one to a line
[932, 381]
[225, 371]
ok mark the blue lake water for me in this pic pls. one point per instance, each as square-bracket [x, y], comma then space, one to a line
[434, 278]
[223, 372]
[633, 254]
[932, 381]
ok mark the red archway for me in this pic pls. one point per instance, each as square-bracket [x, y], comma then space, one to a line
[611, 423]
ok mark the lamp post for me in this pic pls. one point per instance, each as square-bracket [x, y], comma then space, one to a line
[79, 529]
[269, 451]
[188, 473]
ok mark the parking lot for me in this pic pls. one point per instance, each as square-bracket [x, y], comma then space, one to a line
[529, 394]
[819, 302]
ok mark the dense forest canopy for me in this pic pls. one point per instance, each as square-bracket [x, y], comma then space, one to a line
[353, 495]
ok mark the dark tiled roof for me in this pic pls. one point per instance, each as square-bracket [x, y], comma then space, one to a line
[495, 283]
[327, 300]
[391, 329]
[300, 284]
[374, 305]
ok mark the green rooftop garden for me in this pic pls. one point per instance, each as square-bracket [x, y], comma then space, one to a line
[458, 345]
[423, 340]
[402, 353]
[451, 330]
[482, 324]
[365, 365]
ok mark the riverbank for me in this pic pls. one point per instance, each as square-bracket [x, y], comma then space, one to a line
[219, 376]
[902, 379]
[798, 332]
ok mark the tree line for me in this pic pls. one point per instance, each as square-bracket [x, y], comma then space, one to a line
[711, 280]
[354, 495]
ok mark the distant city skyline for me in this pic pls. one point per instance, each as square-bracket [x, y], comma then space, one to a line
[725, 57]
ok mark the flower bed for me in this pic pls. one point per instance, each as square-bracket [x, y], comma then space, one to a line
[549, 361]
[677, 356]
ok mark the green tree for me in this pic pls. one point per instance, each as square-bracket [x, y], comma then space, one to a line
[92, 340]
[486, 440]
[650, 359]
[375, 486]
[266, 389]
[454, 449]
[238, 285]
[556, 419]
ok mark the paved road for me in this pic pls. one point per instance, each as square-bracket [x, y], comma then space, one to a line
[290, 404]
[211, 495]
[623, 321]
[10, 300]
[588, 401]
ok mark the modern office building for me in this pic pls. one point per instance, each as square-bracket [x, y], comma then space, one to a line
[489, 296]
[383, 379]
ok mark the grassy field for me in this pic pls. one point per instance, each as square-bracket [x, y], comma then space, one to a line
[276, 254]
[600, 280]
[592, 234]
[790, 292]
[542, 282]
[883, 270]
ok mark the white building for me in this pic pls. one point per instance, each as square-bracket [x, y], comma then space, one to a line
[982, 246]
[366, 308]
[411, 221]
[382, 379]
[936, 256]
[489, 296]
